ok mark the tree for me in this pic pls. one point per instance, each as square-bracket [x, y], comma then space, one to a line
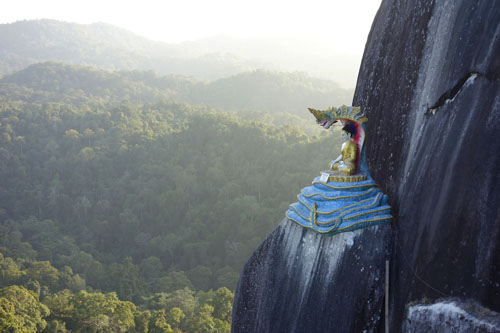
[173, 281]
[68, 280]
[158, 323]
[151, 268]
[56, 326]
[141, 320]
[87, 154]
[97, 312]
[9, 321]
[222, 326]
[9, 271]
[28, 311]
[44, 273]
[201, 276]
[124, 278]
[226, 276]
[183, 299]
[202, 321]
[60, 305]
[223, 304]
[72, 134]
[175, 317]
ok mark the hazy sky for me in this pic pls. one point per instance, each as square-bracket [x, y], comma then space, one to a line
[335, 21]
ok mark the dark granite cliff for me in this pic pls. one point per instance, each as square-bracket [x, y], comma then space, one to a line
[301, 281]
[430, 85]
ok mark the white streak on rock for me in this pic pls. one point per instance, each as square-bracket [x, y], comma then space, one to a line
[449, 316]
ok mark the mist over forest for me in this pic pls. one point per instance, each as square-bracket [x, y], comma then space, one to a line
[138, 176]
[109, 47]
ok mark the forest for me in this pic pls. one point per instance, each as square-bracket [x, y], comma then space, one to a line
[127, 204]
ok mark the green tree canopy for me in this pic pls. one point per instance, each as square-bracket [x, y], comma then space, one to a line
[22, 310]
[96, 312]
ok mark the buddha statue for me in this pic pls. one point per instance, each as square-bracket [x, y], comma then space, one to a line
[345, 197]
[345, 164]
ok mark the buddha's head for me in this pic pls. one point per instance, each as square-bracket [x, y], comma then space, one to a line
[348, 132]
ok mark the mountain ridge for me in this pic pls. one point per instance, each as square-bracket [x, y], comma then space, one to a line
[113, 48]
[258, 90]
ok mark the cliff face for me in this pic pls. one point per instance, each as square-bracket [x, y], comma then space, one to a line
[302, 281]
[430, 85]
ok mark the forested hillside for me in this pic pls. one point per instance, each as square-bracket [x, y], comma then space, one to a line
[123, 210]
[268, 92]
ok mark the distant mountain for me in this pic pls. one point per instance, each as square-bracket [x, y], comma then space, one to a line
[265, 91]
[315, 57]
[26, 42]
[272, 92]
